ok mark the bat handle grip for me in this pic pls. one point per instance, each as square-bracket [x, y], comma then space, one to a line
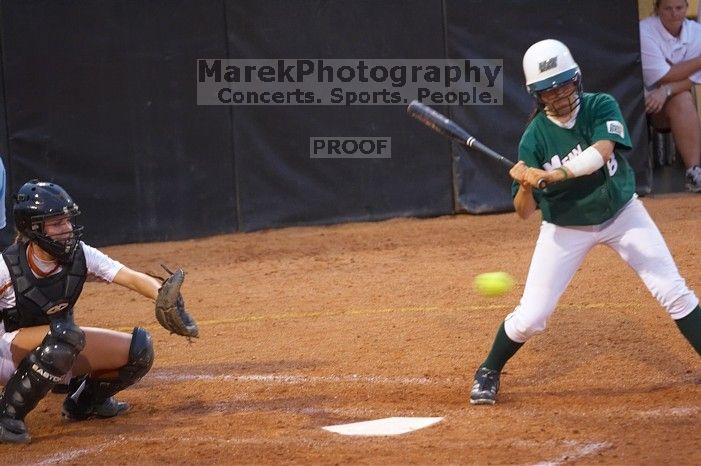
[542, 183]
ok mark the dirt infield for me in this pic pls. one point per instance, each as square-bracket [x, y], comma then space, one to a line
[307, 327]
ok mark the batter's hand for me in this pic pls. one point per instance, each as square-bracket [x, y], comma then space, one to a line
[518, 173]
[532, 177]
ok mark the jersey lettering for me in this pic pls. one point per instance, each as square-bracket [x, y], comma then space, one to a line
[573, 153]
[556, 162]
[553, 164]
[612, 165]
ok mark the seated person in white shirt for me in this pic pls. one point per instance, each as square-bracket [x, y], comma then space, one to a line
[671, 59]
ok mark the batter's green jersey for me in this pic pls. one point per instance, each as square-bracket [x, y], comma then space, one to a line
[585, 200]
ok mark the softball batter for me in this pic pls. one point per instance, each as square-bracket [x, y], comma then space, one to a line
[573, 142]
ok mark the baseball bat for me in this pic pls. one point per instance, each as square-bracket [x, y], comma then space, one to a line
[451, 130]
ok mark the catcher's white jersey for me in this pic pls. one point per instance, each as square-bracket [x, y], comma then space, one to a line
[100, 267]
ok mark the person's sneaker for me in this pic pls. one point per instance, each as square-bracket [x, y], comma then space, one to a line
[13, 431]
[109, 408]
[485, 388]
[693, 179]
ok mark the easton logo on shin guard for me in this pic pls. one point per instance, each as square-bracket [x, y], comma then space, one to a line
[45, 374]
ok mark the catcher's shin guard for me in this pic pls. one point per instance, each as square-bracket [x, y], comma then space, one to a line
[42, 369]
[89, 397]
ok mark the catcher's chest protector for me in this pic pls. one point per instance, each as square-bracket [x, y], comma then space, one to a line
[40, 299]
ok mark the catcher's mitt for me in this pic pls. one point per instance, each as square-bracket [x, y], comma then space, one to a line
[170, 307]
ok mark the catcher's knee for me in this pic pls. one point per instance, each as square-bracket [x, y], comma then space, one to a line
[58, 350]
[140, 356]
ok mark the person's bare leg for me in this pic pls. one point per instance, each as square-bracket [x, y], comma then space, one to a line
[686, 130]
[105, 350]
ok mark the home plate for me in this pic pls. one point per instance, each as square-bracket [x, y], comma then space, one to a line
[386, 426]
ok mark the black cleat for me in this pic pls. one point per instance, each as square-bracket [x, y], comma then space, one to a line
[485, 388]
[108, 408]
[13, 431]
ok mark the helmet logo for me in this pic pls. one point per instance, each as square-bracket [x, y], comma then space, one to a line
[548, 64]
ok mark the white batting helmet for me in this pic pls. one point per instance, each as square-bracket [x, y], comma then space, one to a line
[549, 64]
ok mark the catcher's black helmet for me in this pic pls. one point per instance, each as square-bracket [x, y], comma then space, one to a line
[37, 201]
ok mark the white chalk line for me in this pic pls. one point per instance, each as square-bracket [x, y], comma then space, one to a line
[299, 379]
[70, 455]
[579, 452]
[681, 411]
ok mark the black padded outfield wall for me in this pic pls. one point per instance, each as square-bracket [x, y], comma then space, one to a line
[101, 97]
[281, 183]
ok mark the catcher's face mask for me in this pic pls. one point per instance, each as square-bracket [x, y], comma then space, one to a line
[61, 233]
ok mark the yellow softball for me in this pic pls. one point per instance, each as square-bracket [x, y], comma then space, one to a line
[493, 283]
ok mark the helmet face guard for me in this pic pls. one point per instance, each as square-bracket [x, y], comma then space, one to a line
[565, 104]
[61, 248]
[548, 65]
[35, 203]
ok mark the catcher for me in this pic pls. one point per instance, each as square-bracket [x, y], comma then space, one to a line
[41, 278]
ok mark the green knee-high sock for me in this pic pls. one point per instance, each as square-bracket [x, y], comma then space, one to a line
[690, 327]
[502, 350]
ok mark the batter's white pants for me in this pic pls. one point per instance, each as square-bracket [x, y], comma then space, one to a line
[560, 251]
